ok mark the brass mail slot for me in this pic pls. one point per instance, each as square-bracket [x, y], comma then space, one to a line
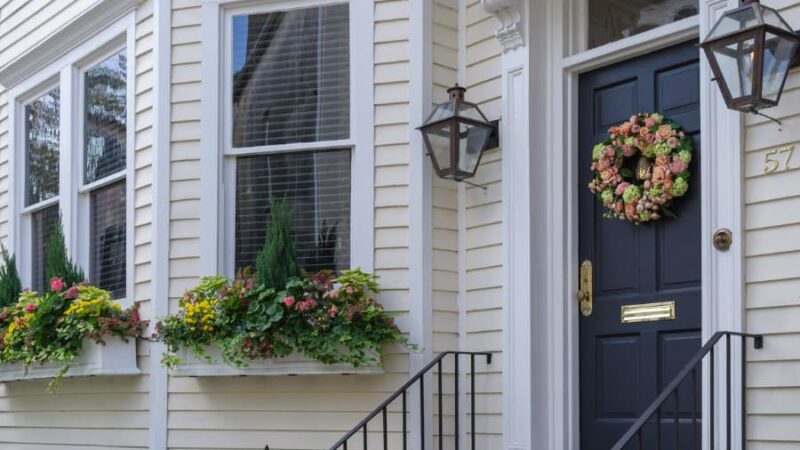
[648, 312]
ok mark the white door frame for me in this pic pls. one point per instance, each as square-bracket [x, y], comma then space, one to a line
[540, 94]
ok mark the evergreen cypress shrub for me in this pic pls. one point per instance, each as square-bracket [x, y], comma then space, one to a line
[57, 263]
[276, 263]
[10, 284]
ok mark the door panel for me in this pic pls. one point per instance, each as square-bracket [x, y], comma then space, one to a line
[624, 366]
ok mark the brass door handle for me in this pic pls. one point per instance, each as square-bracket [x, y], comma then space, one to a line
[585, 293]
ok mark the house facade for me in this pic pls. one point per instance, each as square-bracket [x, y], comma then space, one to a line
[158, 129]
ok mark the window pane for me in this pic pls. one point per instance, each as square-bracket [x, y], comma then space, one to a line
[41, 147]
[316, 185]
[611, 20]
[44, 223]
[291, 76]
[108, 239]
[105, 106]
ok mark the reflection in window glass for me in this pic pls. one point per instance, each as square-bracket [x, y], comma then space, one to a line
[291, 76]
[316, 185]
[43, 224]
[108, 239]
[611, 20]
[105, 109]
[41, 147]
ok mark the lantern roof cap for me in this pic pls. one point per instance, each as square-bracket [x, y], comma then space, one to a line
[457, 107]
[749, 16]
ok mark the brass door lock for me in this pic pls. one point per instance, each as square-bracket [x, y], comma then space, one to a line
[585, 294]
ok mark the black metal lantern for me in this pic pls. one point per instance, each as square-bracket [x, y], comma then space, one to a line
[750, 50]
[456, 135]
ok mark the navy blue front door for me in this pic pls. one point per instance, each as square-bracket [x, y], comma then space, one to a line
[624, 365]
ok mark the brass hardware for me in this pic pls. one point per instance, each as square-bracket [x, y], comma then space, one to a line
[723, 238]
[648, 312]
[643, 168]
[585, 293]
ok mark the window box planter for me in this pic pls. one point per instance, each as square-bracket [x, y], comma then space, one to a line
[296, 364]
[114, 358]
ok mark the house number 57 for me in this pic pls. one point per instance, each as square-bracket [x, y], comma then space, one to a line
[778, 159]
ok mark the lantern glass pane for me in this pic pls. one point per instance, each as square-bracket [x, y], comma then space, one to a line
[471, 141]
[737, 20]
[442, 111]
[470, 111]
[735, 61]
[778, 52]
[771, 17]
[439, 139]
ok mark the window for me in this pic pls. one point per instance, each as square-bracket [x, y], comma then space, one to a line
[42, 136]
[104, 162]
[288, 139]
[80, 181]
[611, 20]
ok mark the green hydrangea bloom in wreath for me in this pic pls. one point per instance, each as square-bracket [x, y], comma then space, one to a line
[641, 168]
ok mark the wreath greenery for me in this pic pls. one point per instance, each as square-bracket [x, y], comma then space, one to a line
[641, 168]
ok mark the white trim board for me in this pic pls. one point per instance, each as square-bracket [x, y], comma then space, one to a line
[544, 415]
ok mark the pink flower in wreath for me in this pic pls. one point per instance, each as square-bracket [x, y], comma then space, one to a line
[678, 166]
[665, 131]
[649, 122]
[635, 128]
[603, 164]
[56, 284]
[610, 152]
[649, 138]
[333, 311]
[621, 188]
[288, 301]
[30, 307]
[662, 160]
[628, 151]
[673, 142]
[608, 175]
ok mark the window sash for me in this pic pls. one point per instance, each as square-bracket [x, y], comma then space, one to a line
[312, 252]
[226, 81]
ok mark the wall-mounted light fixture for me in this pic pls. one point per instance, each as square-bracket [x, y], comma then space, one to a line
[750, 50]
[456, 134]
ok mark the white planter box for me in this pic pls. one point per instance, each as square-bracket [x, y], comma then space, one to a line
[114, 358]
[296, 364]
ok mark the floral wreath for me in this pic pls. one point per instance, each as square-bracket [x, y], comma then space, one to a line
[641, 168]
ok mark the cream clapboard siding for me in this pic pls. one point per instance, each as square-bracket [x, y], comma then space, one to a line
[772, 249]
[444, 216]
[305, 412]
[483, 240]
[772, 222]
[98, 412]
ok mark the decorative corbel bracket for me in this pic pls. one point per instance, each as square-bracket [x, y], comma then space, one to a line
[509, 14]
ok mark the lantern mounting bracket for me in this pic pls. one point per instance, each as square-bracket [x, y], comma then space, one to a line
[796, 59]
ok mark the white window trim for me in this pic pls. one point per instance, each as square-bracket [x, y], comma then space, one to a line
[64, 72]
[217, 220]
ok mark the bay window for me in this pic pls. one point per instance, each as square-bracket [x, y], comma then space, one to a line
[72, 140]
[288, 132]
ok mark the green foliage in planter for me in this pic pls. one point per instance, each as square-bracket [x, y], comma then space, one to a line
[277, 261]
[52, 327]
[331, 320]
[57, 264]
[10, 284]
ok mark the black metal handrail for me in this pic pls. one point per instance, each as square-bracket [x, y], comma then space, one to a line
[382, 409]
[672, 391]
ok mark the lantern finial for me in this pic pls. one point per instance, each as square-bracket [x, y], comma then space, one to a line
[457, 92]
